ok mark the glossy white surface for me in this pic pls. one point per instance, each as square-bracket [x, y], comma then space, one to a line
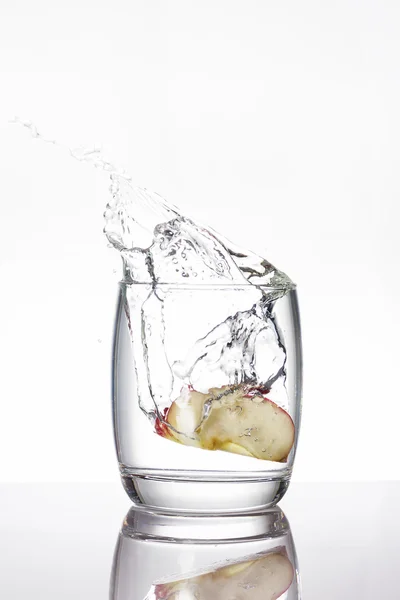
[58, 540]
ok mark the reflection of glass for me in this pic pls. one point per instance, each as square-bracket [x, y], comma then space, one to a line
[207, 386]
[161, 557]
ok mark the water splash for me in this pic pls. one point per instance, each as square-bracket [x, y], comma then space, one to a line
[160, 246]
[140, 222]
[92, 156]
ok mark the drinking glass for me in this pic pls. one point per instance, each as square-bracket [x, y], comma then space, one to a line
[206, 395]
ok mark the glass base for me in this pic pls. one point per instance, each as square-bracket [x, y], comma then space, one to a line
[205, 529]
[183, 492]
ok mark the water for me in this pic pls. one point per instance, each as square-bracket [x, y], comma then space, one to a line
[160, 245]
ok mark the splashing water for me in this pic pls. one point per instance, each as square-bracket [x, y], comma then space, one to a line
[92, 156]
[139, 222]
[160, 246]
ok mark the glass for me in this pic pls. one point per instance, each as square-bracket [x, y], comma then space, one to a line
[162, 557]
[206, 395]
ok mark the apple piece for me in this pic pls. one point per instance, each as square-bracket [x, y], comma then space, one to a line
[265, 578]
[236, 419]
[235, 449]
[256, 424]
[185, 416]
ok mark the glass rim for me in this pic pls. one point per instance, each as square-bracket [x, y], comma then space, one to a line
[194, 285]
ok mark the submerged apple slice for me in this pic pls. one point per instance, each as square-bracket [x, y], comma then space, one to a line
[254, 423]
[234, 419]
[185, 416]
[265, 578]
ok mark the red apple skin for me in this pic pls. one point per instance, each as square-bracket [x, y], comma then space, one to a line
[161, 427]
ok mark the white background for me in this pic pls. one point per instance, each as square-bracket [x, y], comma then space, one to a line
[278, 123]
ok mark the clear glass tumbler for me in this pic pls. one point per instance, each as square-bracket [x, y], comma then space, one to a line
[206, 395]
[162, 557]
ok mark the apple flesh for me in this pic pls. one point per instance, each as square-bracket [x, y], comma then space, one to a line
[235, 419]
[265, 578]
[184, 417]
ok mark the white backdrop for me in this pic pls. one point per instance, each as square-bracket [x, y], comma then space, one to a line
[276, 122]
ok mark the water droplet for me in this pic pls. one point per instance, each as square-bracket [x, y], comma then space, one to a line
[263, 450]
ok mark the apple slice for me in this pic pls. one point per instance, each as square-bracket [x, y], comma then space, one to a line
[253, 422]
[235, 419]
[235, 449]
[265, 578]
[185, 415]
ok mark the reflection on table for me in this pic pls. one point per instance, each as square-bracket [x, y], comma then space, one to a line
[161, 557]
